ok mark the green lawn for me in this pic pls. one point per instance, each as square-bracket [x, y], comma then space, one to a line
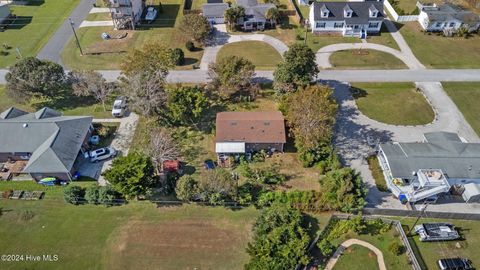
[365, 59]
[99, 17]
[138, 235]
[466, 96]
[436, 51]
[377, 173]
[35, 25]
[162, 30]
[393, 103]
[357, 258]
[70, 106]
[431, 252]
[262, 55]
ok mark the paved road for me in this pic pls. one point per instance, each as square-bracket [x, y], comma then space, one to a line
[402, 44]
[52, 50]
[331, 263]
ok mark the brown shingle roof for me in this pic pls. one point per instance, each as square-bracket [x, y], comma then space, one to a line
[251, 127]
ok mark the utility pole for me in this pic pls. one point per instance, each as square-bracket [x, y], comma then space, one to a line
[75, 34]
[424, 207]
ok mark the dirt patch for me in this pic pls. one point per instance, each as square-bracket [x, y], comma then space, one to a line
[178, 244]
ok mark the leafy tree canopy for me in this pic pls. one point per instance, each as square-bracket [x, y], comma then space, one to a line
[195, 27]
[153, 57]
[186, 105]
[342, 190]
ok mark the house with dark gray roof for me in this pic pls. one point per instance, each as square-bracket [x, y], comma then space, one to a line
[255, 15]
[214, 11]
[43, 143]
[419, 170]
[346, 18]
[434, 17]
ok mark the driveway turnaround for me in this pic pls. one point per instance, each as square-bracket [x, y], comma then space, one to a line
[381, 262]
[54, 47]
[221, 38]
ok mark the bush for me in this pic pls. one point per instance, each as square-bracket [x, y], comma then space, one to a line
[74, 194]
[325, 247]
[186, 188]
[395, 248]
[178, 56]
[92, 194]
[190, 46]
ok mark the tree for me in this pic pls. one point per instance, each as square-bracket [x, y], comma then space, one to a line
[153, 57]
[195, 27]
[232, 75]
[279, 240]
[91, 84]
[272, 14]
[146, 92]
[162, 147]
[73, 194]
[186, 188]
[131, 175]
[217, 185]
[233, 14]
[342, 190]
[186, 105]
[34, 77]
[310, 113]
[297, 69]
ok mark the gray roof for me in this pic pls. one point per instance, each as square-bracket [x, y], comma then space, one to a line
[448, 12]
[52, 140]
[441, 150]
[255, 10]
[360, 15]
[12, 113]
[214, 10]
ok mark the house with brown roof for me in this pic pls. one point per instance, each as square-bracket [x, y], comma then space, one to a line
[246, 132]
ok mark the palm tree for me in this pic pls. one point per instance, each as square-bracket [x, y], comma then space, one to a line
[273, 15]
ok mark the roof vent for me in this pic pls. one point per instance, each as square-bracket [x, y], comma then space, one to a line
[25, 125]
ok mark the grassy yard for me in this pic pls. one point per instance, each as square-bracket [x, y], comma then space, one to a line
[36, 23]
[262, 55]
[134, 236]
[70, 106]
[365, 59]
[466, 96]
[357, 258]
[377, 173]
[99, 17]
[393, 103]
[435, 50]
[108, 54]
[431, 252]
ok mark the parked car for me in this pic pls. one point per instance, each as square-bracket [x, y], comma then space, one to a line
[436, 232]
[455, 264]
[209, 164]
[151, 14]
[119, 107]
[101, 154]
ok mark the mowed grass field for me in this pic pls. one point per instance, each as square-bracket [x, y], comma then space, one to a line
[35, 24]
[134, 236]
[262, 55]
[365, 59]
[357, 258]
[466, 96]
[69, 106]
[437, 51]
[393, 103]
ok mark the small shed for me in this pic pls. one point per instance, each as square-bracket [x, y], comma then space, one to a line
[4, 12]
[471, 193]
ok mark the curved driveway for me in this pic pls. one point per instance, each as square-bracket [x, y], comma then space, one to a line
[381, 262]
[221, 38]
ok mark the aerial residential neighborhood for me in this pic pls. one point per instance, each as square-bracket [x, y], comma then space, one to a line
[240, 134]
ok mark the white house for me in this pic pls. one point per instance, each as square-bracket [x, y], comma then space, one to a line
[126, 13]
[347, 18]
[438, 18]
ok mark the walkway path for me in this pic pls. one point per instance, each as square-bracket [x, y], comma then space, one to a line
[381, 262]
[55, 45]
[221, 38]
[96, 23]
[402, 44]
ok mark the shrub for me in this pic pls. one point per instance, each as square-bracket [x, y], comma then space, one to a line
[186, 188]
[325, 247]
[395, 248]
[92, 194]
[190, 46]
[178, 56]
[73, 194]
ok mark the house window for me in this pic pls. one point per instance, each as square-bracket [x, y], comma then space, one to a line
[452, 24]
[320, 25]
[373, 14]
[348, 14]
[373, 25]
[438, 24]
[338, 25]
[325, 14]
